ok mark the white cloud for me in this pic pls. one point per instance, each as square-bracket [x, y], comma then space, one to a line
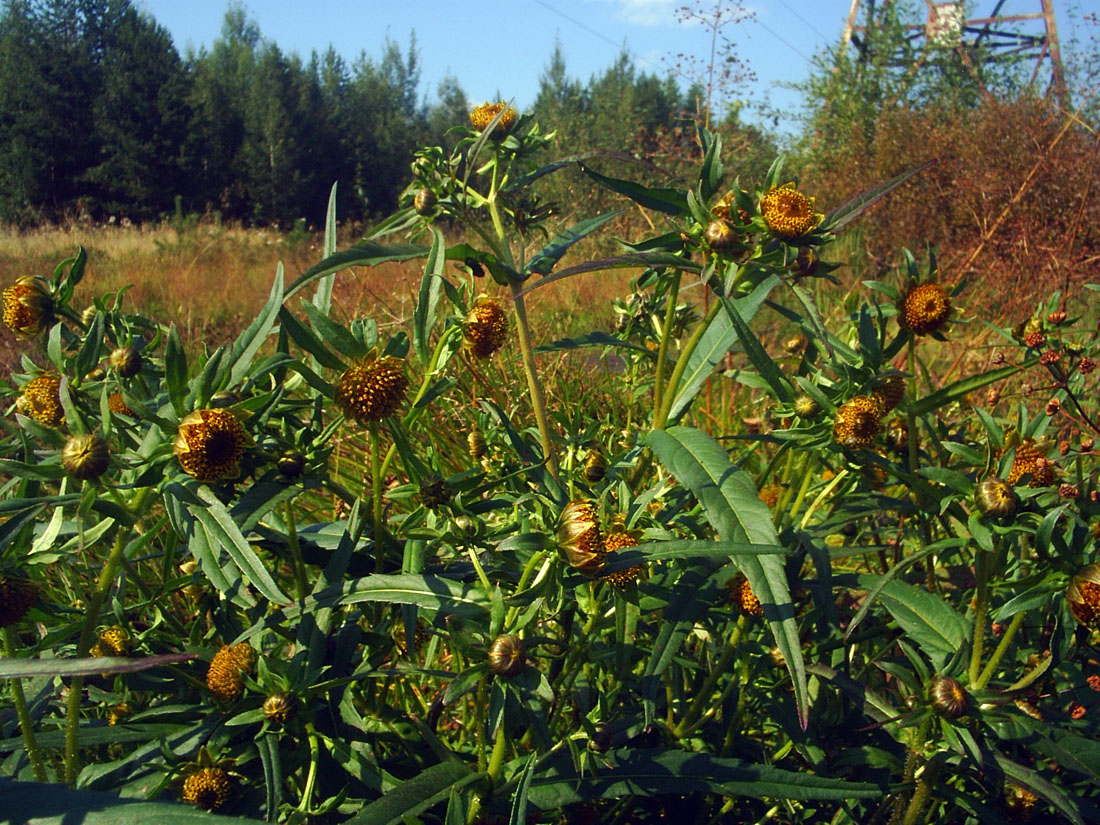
[647, 12]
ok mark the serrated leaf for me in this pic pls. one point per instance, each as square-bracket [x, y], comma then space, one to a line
[543, 261]
[669, 201]
[926, 618]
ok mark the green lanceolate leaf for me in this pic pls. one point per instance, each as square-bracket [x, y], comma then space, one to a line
[926, 618]
[848, 212]
[759, 357]
[629, 260]
[733, 508]
[322, 298]
[364, 254]
[423, 791]
[28, 668]
[216, 520]
[718, 551]
[591, 339]
[543, 261]
[955, 391]
[175, 371]
[651, 772]
[669, 201]
[246, 346]
[430, 284]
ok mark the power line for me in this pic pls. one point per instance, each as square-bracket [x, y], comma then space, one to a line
[766, 28]
[598, 34]
[805, 21]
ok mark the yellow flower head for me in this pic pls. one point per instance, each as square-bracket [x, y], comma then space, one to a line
[486, 327]
[857, 422]
[742, 597]
[619, 538]
[225, 677]
[208, 788]
[788, 213]
[483, 115]
[210, 445]
[372, 390]
[1030, 460]
[924, 308]
[1083, 596]
[28, 307]
[42, 400]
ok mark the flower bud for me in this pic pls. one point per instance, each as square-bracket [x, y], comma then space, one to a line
[27, 306]
[85, 457]
[126, 361]
[601, 739]
[424, 202]
[506, 655]
[224, 398]
[995, 498]
[721, 237]
[476, 441]
[595, 466]
[579, 537]
[949, 699]
[434, 492]
[291, 464]
[806, 407]
[795, 344]
[280, 708]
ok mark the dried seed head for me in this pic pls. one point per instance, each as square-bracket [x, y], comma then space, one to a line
[924, 308]
[486, 327]
[210, 445]
[43, 400]
[17, 597]
[372, 389]
[995, 498]
[506, 655]
[1083, 596]
[579, 537]
[28, 307]
[788, 213]
[126, 361]
[949, 698]
[225, 677]
[857, 422]
[434, 492]
[280, 708]
[208, 788]
[85, 457]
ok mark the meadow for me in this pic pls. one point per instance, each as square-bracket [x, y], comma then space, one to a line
[473, 515]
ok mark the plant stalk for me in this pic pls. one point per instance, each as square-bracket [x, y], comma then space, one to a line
[538, 400]
[22, 712]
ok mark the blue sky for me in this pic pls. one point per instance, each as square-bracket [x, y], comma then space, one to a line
[494, 46]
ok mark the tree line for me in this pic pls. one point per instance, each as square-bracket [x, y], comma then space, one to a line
[101, 116]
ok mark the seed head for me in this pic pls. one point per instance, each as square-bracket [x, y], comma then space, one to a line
[85, 457]
[208, 788]
[372, 390]
[579, 537]
[483, 115]
[28, 307]
[17, 597]
[210, 445]
[506, 655]
[857, 422]
[1086, 365]
[42, 396]
[788, 213]
[225, 677]
[1031, 459]
[1083, 596]
[924, 308]
[486, 327]
[770, 494]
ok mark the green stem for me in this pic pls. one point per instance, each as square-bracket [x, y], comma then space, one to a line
[306, 801]
[921, 794]
[22, 712]
[981, 608]
[538, 401]
[669, 394]
[666, 336]
[87, 631]
[376, 496]
[496, 759]
[998, 654]
[301, 586]
[702, 697]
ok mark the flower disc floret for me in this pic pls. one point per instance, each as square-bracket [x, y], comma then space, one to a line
[28, 307]
[225, 677]
[620, 539]
[924, 309]
[486, 328]
[742, 597]
[43, 400]
[208, 788]
[1083, 596]
[210, 445]
[372, 390]
[857, 422]
[483, 115]
[788, 213]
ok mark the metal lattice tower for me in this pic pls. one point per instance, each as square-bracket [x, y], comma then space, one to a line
[990, 39]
